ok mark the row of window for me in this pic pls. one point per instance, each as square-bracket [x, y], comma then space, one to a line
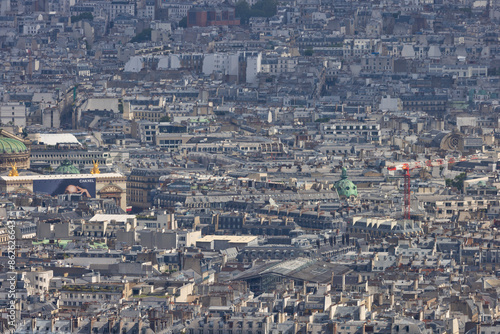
[423, 103]
[364, 133]
[88, 296]
[352, 127]
[208, 149]
[170, 142]
[220, 331]
[377, 68]
[79, 156]
[448, 204]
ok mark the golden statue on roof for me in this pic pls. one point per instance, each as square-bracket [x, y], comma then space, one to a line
[95, 170]
[13, 171]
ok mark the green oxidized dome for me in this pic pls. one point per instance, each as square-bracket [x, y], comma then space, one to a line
[67, 167]
[8, 145]
[344, 186]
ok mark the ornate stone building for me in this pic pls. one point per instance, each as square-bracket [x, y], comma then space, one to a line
[13, 151]
[140, 184]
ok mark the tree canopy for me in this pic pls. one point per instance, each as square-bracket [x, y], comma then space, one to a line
[457, 182]
[183, 23]
[143, 36]
[82, 16]
[308, 52]
[260, 9]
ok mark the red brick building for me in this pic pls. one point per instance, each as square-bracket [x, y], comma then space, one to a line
[211, 16]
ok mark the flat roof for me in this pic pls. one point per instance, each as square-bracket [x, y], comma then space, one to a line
[106, 217]
[53, 139]
[230, 238]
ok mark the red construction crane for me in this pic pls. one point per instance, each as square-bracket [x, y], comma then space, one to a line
[407, 166]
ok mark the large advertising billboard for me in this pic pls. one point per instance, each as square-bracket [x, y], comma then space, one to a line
[54, 187]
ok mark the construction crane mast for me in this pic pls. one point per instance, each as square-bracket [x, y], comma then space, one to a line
[406, 167]
[407, 193]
